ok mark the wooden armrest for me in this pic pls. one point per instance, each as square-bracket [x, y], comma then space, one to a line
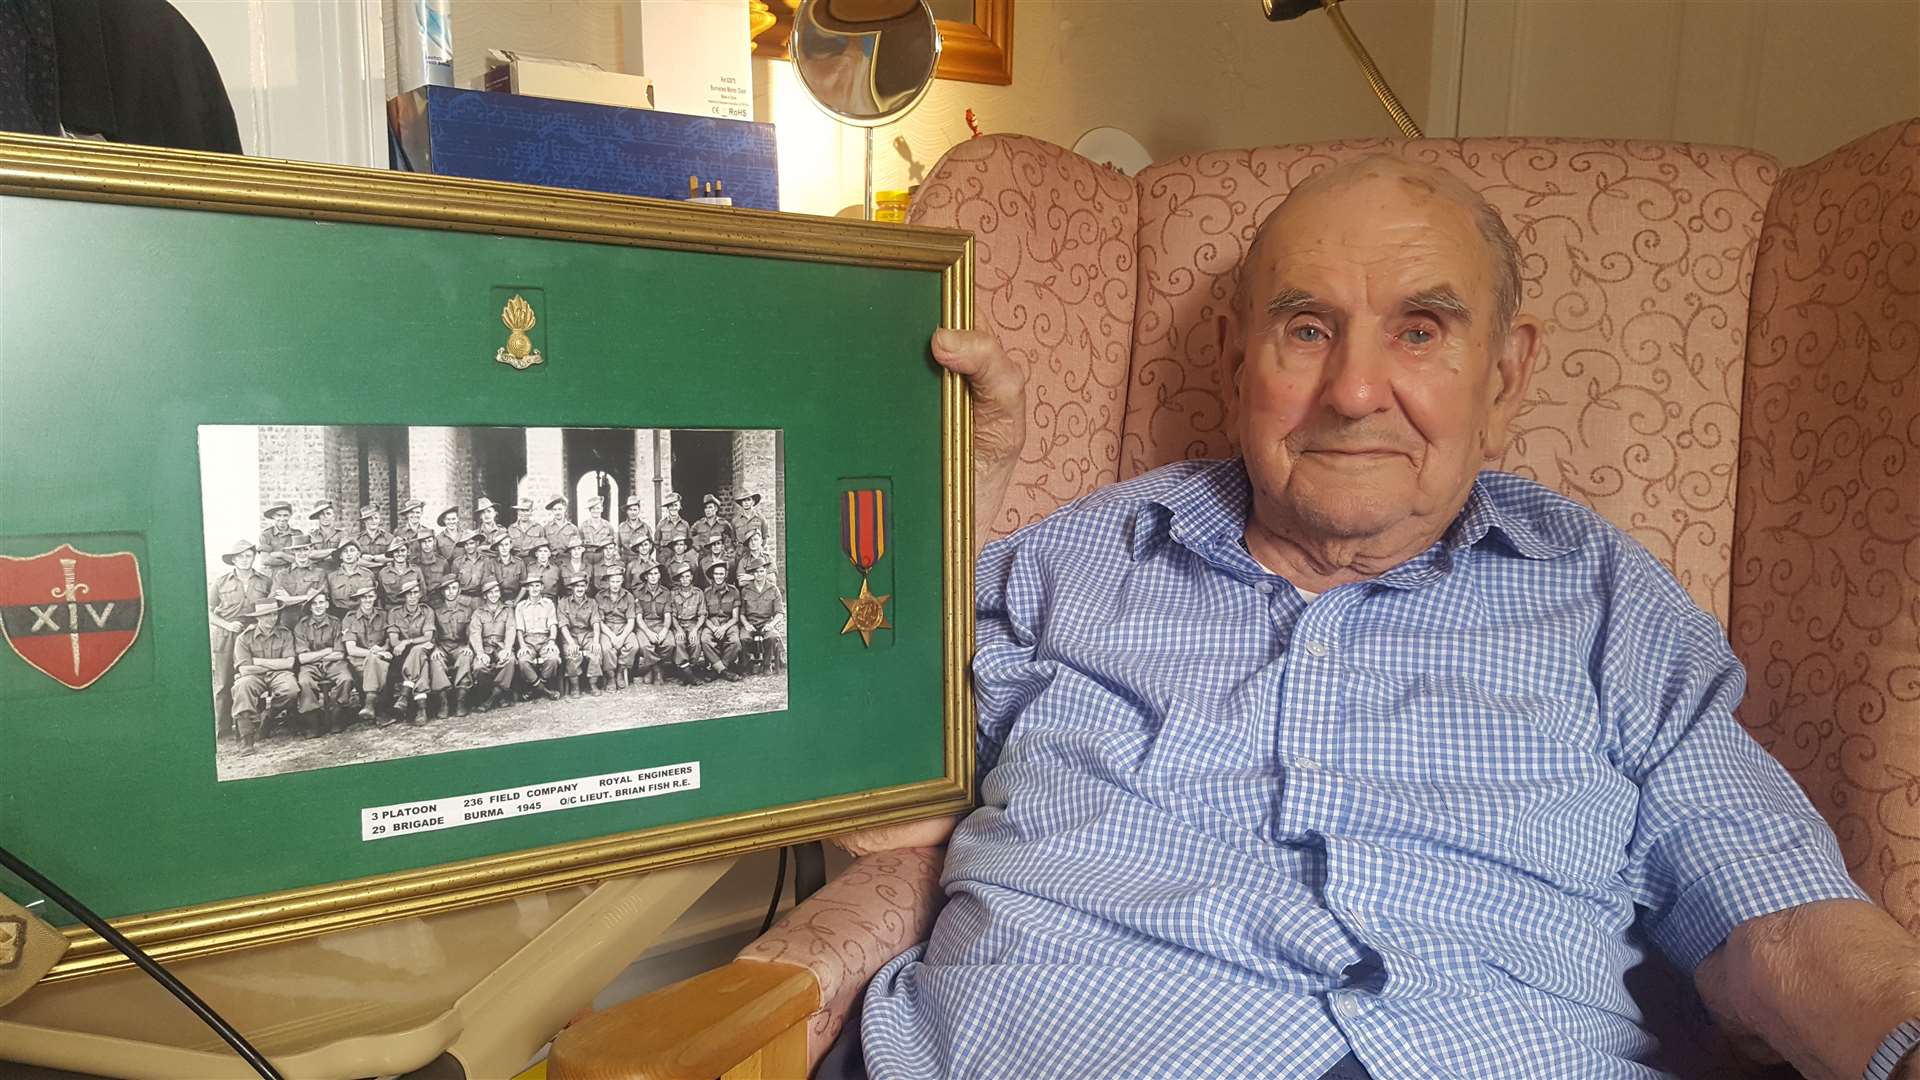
[712, 1024]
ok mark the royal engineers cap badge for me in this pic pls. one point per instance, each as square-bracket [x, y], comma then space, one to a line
[519, 351]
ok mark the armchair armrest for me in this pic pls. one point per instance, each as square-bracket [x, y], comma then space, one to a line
[878, 907]
[741, 1020]
[776, 1008]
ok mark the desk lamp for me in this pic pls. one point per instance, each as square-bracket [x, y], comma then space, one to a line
[1283, 10]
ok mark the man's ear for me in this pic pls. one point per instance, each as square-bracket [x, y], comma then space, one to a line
[1513, 369]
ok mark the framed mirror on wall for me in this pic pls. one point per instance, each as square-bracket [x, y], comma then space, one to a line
[977, 37]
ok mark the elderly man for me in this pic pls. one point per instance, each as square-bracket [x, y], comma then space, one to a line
[1345, 758]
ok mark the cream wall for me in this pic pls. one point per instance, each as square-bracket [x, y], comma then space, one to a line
[1793, 78]
[1180, 75]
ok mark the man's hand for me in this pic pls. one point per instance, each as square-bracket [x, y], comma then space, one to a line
[999, 388]
[1823, 983]
[930, 833]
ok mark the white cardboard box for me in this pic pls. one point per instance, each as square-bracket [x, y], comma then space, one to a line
[568, 80]
[697, 53]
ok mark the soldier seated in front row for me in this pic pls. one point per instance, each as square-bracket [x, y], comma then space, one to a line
[263, 671]
[765, 616]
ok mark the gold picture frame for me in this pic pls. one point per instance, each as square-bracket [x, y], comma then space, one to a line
[66, 170]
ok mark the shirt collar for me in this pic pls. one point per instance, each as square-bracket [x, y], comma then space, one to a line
[1209, 510]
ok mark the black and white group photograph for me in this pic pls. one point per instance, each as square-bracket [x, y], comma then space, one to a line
[385, 592]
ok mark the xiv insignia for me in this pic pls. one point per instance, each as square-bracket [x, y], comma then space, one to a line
[519, 351]
[69, 613]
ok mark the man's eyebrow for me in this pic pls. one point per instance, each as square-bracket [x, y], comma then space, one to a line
[1441, 298]
[1293, 302]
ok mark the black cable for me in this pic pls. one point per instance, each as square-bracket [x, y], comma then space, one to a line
[146, 963]
[779, 883]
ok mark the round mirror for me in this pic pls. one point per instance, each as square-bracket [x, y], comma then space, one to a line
[865, 61]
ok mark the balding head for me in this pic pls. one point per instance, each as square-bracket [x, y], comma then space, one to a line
[1378, 360]
[1502, 251]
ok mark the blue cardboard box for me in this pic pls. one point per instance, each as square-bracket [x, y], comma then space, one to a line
[572, 144]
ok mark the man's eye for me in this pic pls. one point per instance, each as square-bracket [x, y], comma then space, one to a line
[1417, 335]
[1309, 334]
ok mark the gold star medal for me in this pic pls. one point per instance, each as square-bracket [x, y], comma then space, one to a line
[866, 613]
[863, 539]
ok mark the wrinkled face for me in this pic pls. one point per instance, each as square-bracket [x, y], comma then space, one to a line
[1369, 387]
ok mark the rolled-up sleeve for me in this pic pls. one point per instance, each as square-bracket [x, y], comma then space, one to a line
[1723, 833]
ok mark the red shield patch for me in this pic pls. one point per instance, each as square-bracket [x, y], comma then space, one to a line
[71, 614]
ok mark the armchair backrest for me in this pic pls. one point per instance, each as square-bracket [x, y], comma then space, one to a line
[1638, 256]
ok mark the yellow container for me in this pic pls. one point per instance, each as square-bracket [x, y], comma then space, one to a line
[890, 206]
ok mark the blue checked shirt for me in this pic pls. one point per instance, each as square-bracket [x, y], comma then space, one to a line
[1226, 831]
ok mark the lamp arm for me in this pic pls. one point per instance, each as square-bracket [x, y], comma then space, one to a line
[1372, 71]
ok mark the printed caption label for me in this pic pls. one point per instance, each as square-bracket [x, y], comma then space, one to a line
[431, 815]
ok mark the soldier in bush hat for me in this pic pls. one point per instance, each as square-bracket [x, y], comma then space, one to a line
[301, 578]
[326, 680]
[447, 530]
[671, 525]
[229, 600]
[413, 634]
[363, 634]
[472, 566]
[711, 524]
[640, 556]
[608, 562]
[527, 530]
[508, 567]
[687, 607]
[580, 637]
[351, 576]
[653, 624]
[536, 622]
[495, 644]
[747, 519]
[263, 670]
[399, 571]
[543, 567]
[765, 616]
[453, 619]
[633, 528]
[278, 535]
[433, 568]
[325, 531]
[486, 516]
[410, 512]
[562, 531]
[574, 559]
[619, 630]
[596, 530]
[373, 537]
[721, 632]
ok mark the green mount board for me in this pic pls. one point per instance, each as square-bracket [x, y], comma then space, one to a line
[123, 328]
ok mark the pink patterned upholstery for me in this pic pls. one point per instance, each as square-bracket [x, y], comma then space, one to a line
[1054, 280]
[1826, 570]
[1779, 476]
[866, 916]
[1637, 258]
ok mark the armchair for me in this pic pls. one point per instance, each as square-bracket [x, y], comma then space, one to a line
[1730, 372]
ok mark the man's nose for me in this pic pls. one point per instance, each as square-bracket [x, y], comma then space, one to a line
[1358, 378]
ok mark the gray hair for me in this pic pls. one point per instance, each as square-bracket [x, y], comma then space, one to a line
[1503, 251]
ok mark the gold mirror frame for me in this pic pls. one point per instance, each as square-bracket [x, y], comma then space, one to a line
[980, 51]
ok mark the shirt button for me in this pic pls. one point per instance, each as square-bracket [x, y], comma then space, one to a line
[1316, 648]
[1347, 1007]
